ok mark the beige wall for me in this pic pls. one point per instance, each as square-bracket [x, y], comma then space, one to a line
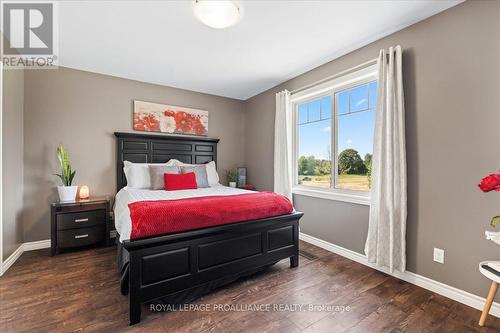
[12, 159]
[452, 78]
[82, 110]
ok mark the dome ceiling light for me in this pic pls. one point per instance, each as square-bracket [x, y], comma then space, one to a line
[217, 14]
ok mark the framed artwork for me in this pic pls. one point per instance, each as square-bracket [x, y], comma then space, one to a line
[242, 177]
[153, 117]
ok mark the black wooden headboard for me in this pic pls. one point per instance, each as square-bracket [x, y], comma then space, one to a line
[150, 148]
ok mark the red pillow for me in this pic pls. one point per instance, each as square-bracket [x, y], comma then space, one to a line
[182, 181]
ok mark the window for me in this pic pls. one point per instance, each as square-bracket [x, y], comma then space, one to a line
[314, 132]
[355, 125]
[334, 126]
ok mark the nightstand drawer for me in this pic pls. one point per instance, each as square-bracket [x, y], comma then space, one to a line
[80, 236]
[80, 219]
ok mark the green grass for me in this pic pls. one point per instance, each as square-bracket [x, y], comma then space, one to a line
[352, 182]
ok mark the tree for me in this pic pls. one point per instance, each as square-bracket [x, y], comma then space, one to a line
[307, 165]
[323, 167]
[302, 165]
[311, 165]
[368, 160]
[368, 164]
[351, 163]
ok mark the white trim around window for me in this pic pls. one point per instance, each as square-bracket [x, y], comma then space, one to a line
[330, 87]
[356, 197]
[1, 170]
[336, 84]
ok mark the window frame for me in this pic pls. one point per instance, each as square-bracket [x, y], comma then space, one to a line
[329, 88]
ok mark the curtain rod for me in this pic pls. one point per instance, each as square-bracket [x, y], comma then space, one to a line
[347, 71]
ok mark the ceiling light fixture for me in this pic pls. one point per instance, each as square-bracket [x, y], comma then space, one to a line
[216, 14]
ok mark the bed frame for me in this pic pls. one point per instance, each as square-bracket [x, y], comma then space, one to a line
[163, 265]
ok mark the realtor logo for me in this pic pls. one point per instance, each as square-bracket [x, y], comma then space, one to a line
[29, 34]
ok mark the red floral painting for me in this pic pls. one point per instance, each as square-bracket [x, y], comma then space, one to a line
[153, 117]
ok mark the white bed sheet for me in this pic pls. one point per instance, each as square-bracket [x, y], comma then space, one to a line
[126, 195]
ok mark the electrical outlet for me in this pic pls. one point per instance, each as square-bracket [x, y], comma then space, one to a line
[439, 255]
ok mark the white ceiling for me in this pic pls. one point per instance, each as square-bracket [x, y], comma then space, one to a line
[161, 41]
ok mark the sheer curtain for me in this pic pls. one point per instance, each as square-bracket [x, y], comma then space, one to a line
[283, 145]
[386, 241]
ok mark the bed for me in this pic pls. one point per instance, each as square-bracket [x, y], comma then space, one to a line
[179, 267]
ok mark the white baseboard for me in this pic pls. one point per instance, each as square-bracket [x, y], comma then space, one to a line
[453, 293]
[29, 246]
[11, 259]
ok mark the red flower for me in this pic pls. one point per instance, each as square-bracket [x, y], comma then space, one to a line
[146, 122]
[182, 122]
[169, 113]
[490, 183]
[248, 187]
[199, 129]
[138, 125]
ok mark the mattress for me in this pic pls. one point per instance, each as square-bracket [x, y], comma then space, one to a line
[125, 196]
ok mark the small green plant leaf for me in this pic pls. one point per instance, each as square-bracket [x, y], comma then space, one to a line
[67, 174]
[232, 176]
[72, 175]
[61, 177]
[495, 221]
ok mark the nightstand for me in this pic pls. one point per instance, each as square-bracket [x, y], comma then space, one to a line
[79, 223]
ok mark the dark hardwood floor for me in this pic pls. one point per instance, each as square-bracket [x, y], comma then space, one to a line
[79, 291]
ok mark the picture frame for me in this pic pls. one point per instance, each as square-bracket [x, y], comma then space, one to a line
[163, 118]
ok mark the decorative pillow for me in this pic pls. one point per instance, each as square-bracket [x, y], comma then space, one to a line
[212, 175]
[137, 174]
[171, 162]
[182, 181]
[201, 174]
[156, 173]
[175, 162]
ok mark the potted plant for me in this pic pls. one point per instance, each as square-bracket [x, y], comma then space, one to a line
[492, 183]
[232, 177]
[66, 192]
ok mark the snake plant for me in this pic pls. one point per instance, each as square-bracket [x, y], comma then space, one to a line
[66, 174]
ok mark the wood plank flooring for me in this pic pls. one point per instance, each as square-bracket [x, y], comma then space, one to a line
[79, 292]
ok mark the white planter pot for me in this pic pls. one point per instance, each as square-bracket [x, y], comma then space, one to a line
[232, 184]
[493, 236]
[67, 193]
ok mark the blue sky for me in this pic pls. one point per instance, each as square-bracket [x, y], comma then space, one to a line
[355, 128]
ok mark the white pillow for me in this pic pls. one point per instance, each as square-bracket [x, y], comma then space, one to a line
[137, 174]
[212, 176]
[175, 162]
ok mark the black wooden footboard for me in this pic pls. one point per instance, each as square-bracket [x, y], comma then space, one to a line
[163, 265]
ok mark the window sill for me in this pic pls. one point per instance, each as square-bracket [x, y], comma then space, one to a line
[359, 199]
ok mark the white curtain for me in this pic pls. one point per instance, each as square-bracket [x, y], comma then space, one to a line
[283, 145]
[386, 241]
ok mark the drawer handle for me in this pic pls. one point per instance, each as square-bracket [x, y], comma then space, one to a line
[81, 220]
[82, 236]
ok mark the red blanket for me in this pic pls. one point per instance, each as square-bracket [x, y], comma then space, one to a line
[169, 216]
